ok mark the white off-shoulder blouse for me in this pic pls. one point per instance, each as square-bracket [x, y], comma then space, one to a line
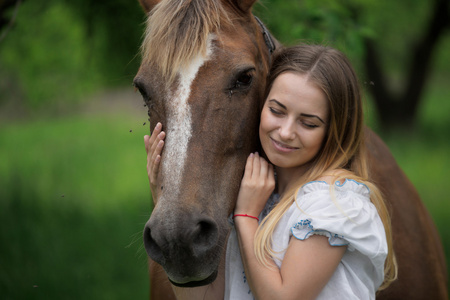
[347, 217]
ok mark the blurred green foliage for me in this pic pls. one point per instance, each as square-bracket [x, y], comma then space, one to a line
[60, 51]
[328, 21]
[394, 25]
[44, 61]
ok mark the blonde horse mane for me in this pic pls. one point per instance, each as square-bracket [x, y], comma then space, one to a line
[177, 31]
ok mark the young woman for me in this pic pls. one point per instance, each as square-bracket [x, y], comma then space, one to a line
[321, 230]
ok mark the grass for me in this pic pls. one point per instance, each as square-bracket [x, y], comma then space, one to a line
[74, 198]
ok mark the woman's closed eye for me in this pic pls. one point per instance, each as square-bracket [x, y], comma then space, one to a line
[307, 124]
[310, 125]
[275, 111]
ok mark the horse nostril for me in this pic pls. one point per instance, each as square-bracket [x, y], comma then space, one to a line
[195, 236]
[152, 248]
[205, 236]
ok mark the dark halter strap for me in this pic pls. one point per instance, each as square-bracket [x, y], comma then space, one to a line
[267, 37]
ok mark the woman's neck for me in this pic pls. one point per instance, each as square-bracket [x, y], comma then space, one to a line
[288, 176]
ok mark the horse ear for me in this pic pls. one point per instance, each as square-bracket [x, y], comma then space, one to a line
[148, 5]
[244, 5]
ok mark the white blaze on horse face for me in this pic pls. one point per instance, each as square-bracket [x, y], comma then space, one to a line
[179, 123]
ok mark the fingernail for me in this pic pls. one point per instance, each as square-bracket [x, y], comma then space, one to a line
[251, 154]
[158, 126]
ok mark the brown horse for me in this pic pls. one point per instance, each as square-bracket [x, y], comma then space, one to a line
[202, 76]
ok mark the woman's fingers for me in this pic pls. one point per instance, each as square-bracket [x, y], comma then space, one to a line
[156, 142]
[156, 159]
[154, 145]
[146, 142]
[264, 168]
[155, 132]
[156, 151]
[256, 186]
[249, 167]
[260, 167]
[154, 138]
[256, 166]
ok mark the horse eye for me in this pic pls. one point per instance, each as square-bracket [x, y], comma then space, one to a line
[142, 91]
[244, 79]
[241, 81]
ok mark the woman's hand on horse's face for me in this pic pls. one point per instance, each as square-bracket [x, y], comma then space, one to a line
[256, 186]
[154, 145]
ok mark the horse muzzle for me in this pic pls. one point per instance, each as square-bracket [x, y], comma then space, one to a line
[187, 246]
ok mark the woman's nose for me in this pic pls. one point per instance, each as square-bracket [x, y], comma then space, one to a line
[287, 130]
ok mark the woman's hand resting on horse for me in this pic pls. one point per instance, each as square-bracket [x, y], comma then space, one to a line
[154, 145]
[257, 185]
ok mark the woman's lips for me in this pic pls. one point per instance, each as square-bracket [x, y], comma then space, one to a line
[282, 147]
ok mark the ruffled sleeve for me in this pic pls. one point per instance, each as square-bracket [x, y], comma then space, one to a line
[343, 213]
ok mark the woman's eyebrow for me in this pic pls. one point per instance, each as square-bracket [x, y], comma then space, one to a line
[303, 115]
[278, 103]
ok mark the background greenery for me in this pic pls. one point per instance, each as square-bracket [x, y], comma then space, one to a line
[73, 187]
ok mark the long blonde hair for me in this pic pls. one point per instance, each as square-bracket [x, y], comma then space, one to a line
[343, 146]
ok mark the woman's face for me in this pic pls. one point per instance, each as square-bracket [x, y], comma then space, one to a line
[294, 121]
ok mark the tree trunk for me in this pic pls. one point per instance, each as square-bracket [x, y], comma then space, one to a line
[400, 109]
[6, 22]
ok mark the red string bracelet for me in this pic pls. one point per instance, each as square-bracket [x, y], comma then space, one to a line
[245, 215]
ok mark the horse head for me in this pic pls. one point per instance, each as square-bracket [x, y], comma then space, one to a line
[203, 76]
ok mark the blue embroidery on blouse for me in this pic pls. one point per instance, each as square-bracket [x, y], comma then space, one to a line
[337, 183]
[311, 231]
[245, 281]
[359, 183]
[306, 222]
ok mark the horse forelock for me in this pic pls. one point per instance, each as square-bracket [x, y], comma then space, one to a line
[177, 32]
